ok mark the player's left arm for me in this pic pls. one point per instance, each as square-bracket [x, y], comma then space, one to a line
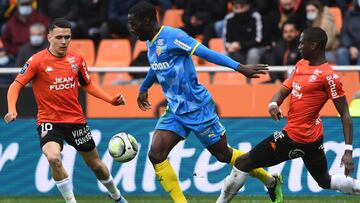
[94, 90]
[184, 44]
[250, 70]
[333, 87]
[343, 109]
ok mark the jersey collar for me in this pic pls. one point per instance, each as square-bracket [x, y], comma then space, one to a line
[154, 38]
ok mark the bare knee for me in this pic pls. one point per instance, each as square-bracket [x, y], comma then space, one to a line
[157, 156]
[95, 165]
[54, 160]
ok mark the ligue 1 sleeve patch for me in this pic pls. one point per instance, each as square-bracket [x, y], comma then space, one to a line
[23, 69]
[182, 45]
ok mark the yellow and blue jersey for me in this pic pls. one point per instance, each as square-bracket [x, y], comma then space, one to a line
[169, 55]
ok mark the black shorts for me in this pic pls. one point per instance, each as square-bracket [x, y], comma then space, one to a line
[76, 135]
[278, 148]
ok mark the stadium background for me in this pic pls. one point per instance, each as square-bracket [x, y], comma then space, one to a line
[242, 106]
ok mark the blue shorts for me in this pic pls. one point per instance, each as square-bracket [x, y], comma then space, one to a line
[204, 122]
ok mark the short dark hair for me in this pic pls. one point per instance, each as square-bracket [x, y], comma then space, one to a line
[59, 22]
[143, 10]
[290, 22]
[315, 34]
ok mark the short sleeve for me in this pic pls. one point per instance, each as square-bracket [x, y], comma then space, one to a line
[288, 82]
[333, 86]
[181, 42]
[28, 71]
[84, 76]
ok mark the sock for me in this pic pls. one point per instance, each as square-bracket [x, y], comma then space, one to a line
[232, 185]
[345, 184]
[111, 187]
[168, 179]
[259, 173]
[66, 189]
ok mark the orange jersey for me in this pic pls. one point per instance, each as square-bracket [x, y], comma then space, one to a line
[311, 87]
[55, 83]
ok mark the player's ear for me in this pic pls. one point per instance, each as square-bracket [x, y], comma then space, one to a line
[147, 22]
[49, 36]
[313, 45]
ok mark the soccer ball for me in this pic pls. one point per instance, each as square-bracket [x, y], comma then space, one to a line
[123, 147]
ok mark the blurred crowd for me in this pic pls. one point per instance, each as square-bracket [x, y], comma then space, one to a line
[252, 31]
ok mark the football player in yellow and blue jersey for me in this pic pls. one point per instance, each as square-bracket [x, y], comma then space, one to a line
[190, 105]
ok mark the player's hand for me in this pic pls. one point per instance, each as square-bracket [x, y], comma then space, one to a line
[143, 101]
[10, 117]
[118, 100]
[348, 162]
[354, 53]
[252, 70]
[275, 112]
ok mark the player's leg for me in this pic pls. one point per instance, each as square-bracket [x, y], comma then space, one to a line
[79, 136]
[316, 164]
[163, 142]
[225, 154]
[52, 151]
[51, 143]
[267, 153]
[168, 133]
[102, 173]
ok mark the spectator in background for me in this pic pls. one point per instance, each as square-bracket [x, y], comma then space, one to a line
[180, 4]
[342, 4]
[243, 33]
[37, 43]
[285, 51]
[350, 37]
[3, 6]
[163, 4]
[117, 17]
[200, 15]
[288, 10]
[16, 32]
[68, 9]
[318, 15]
[5, 79]
[90, 18]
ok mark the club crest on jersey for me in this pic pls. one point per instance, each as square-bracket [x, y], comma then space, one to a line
[23, 69]
[158, 51]
[74, 67]
[160, 42]
[314, 75]
[71, 59]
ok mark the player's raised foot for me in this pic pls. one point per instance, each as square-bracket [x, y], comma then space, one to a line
[275, 192]
[121, 200]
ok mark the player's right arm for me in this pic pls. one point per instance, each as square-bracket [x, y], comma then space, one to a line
[276, 101]
[279, 97]
[12, 97]
[142, 99]
[26, 74]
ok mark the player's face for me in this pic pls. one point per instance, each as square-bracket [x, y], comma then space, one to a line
[305, 48]
[138, 28]
[59, 39]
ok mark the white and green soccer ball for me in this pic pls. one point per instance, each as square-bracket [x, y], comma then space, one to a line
[123, 147]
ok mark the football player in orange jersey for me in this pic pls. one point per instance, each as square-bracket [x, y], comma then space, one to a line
[312, 83]
[56, 73]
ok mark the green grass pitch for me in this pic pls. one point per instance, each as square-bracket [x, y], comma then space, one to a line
[195, 199]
